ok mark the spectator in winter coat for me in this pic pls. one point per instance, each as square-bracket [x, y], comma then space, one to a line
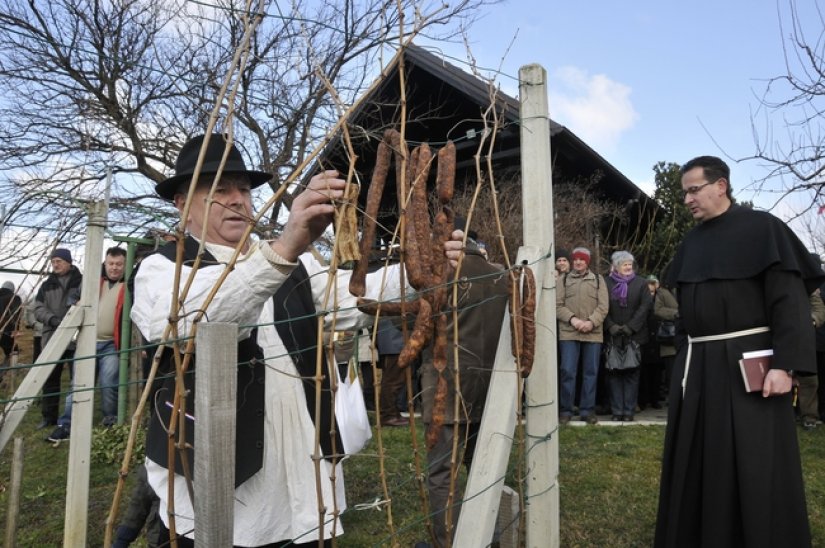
[666, 309]
[562, 262]
[808, 401]
[56, 295]
[389, 342]
[626, 324]
[107, 363]
[581, 306]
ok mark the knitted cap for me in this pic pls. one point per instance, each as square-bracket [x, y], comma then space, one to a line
[62, 253]
[562, 254]
[581, 253]
[8, 285]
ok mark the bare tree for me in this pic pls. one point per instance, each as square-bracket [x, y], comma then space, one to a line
[581, 217]
[787, 128]
[91, 88]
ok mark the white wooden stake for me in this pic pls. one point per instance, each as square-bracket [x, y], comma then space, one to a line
[215, 394]
[542, 407]
[77, 484]
[15, 410]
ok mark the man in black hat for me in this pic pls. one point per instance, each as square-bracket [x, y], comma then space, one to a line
[54, 298]
[274, 293]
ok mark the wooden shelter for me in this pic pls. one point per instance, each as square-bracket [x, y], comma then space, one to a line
[444, 102]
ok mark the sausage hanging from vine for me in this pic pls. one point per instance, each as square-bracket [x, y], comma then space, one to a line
[426, 267]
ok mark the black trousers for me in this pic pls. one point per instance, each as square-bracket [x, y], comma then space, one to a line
[183, 542]
[50, 400]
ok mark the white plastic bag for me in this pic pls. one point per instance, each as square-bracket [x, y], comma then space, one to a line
[351, 412]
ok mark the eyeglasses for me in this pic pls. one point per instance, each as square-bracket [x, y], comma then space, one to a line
[692, 190]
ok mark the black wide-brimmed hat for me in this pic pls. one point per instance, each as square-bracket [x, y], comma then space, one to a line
[188, 158]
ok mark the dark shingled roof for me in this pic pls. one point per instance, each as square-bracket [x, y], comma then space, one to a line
[444, 102]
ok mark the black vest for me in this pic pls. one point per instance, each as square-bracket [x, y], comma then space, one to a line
[296, 323]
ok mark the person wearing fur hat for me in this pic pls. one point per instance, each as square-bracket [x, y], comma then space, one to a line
[280, 288]
[626, 324]
[581, 306]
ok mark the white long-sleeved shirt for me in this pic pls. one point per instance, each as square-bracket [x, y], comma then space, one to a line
[279, 502]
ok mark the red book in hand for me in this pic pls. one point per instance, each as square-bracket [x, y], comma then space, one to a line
[754, 366]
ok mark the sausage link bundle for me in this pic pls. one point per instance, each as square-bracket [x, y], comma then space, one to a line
[357, 283]
[523, 318]
[424, 261]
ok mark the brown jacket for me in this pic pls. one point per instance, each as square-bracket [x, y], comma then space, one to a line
[665, 306]
[583, 296]
[482, 299]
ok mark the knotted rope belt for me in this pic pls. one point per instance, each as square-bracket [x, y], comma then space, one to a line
[719, 337]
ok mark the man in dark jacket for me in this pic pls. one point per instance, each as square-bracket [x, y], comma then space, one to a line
[389, 342]
[10, 307]
[481, 301]
[58, 293]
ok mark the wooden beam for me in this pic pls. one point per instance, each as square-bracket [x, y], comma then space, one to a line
[83, 398]
[15, 410]
[15, 486]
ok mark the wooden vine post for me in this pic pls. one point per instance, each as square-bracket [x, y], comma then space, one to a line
[15, 487]
[542, 408]
[83, 383]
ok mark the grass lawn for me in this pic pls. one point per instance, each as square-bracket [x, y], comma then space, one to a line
[608, 480]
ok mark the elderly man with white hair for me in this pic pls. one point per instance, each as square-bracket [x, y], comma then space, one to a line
[275, 293]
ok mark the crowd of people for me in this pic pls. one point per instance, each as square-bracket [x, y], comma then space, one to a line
[627, 341]
[58, 292]
[740, 282]
[621, 362]
[616, 338]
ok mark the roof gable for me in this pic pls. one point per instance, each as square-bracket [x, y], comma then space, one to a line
[444, 102]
